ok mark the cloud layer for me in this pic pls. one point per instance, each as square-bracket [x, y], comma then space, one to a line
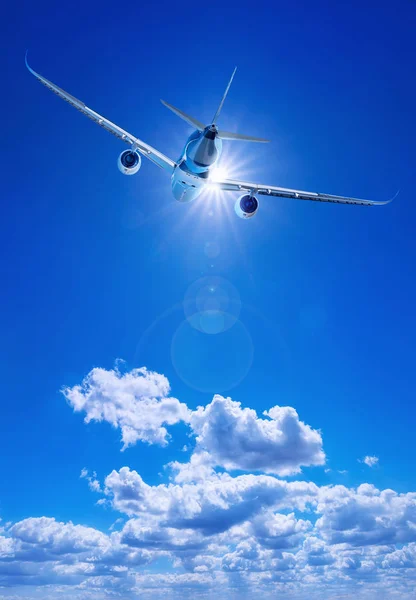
[250, 534]
[209, 533]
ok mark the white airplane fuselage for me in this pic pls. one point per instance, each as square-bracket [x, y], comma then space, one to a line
[201, 152]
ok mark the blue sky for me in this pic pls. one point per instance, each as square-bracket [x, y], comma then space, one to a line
[96, 267]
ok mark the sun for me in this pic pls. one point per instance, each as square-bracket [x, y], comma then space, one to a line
[219, 174]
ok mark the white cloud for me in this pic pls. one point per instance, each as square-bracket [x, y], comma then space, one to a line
[405, 558]
[316, 553]
[57, 538]
[227, 435]
[137, 402]
[249, 557]
[199, 468]
[370, 461]
[269, 553]
[223, 536]
[366, 515]
[279, 531]
[236, 438]
[42, 551]
[211, 505]
[145, 533]
[93, 482]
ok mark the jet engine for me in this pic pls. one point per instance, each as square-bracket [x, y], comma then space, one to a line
[129, 162]
[246, 206]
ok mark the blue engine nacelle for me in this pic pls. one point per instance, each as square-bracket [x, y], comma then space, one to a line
[246, 206]
[129, 162]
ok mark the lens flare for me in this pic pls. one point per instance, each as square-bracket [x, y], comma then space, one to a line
[212, 304]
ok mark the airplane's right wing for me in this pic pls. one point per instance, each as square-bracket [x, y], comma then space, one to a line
[151, 153]
[270, 190]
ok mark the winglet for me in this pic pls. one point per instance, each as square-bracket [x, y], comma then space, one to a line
[395, 195]
[380, 203]
[28, 66]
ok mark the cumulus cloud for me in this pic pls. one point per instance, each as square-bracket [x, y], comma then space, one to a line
[137, 402]
[227, 435]
[355, 531]
[264, 550]
[370, 461]
[142, 533]
[279, 531]
[199, 468]
[316, 553]
[222, 534]
[249, 557]
[405, 558]
[43, 551]
[212, 505]
[57, 538]
[236, 438]
[366, 515]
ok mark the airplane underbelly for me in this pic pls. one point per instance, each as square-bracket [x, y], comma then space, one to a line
[185, 186]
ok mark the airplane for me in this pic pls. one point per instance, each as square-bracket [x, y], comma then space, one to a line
[192, 172]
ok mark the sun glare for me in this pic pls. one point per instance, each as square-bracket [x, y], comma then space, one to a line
[219, 174]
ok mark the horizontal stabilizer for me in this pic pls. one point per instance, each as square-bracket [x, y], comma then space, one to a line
[190, 120]
[227, 135]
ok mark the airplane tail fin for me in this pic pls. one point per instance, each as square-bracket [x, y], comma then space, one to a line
[225, 135]
[217, 114]
[190, 120]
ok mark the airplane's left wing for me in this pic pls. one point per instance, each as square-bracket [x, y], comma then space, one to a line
[151, 153]
[269, 190]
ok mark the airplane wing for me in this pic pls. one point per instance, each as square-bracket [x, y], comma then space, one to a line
[269, 190]
[154, 155]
